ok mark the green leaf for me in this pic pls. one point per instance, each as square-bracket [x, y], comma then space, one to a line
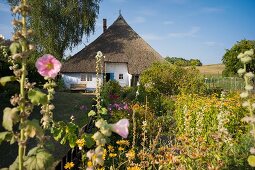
[33, 128]
[251, 160]
[38, 158]
[4, 136]
[92, 113]
[15, 48]
[104, 111]
[72, 140]
[37, 97]
[57, 133]
[15, 164]
[89, 141]
[10, 118]
[4, 80]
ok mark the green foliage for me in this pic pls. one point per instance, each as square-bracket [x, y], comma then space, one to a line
[6, 79]
[110, 92]
[165, 78]
[37, 97]
[10, 118]
[65, 132]
[183, 62]
[59, 25]
[232, 63]
[38, 158]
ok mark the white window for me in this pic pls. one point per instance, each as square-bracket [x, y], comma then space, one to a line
[121, 76]
[86, 77]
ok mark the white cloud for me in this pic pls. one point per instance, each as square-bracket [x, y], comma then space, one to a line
[139, 19]
[4, 7]
[212, 10]
[191, 33]
[168, 22]
[152, 37]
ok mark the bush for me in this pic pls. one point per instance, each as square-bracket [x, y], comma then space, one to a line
[110, 92]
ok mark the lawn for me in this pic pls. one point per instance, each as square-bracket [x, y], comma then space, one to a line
[66, 104]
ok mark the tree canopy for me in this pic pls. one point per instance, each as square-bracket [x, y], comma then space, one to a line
[59, 25]
[183, 62]
[232, 64]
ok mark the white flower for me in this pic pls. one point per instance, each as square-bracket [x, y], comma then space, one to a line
[249, 52]
[90, 154]
[252, 150]
[100, 123]
[241, 55]
[245, 104]
[249, 74]
[244, 94]
[246, 59]
[248, 87]
[97, 136]
[241, 71]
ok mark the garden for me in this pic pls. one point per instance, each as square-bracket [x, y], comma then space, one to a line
[170, 121]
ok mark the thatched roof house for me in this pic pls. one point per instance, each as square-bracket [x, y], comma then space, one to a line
[121, 46]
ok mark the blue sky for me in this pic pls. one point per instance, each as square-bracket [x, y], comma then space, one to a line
[200, 29]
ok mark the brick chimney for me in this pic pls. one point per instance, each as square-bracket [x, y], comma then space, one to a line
[104, 25]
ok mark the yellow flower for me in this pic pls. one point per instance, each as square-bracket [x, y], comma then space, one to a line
[69, 165]
[121, 149]
[112, 155]
[123, 142]
[130, 155]
[134, 168]
[136, 107]
[80, 143]
[89, 164]
[104, 154]
[111, 148]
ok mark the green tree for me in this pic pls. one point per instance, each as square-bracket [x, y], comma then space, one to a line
[183, 62]
[232, 64]
[59, 25]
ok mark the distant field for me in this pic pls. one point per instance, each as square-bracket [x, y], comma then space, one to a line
[213, 69]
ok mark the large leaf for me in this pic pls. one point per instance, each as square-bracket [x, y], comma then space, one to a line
[88, 139]
[15, 48]
[10, 118]
[92, 113]
[5, 136]
[4, 80]
[37, 97]
[38, 158]
[33, 128]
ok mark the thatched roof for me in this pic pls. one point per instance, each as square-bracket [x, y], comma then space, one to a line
[119, 43]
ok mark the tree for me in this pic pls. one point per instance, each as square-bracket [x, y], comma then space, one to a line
[183, 62]
[59, 25]
[232, 64]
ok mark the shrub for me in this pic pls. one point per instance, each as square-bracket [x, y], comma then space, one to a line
[110, 92]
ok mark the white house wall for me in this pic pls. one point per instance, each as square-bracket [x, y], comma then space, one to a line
[75, 78]
[119, 68]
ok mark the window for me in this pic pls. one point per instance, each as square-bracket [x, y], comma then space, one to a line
[120, 76]
[86, 77]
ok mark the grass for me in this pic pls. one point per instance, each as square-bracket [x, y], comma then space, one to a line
[213, 69]
[66, 104]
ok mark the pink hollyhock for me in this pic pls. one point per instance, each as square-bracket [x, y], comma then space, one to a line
[48, 66]
[121, 127]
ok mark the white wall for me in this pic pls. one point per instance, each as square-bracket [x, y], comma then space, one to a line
[75, 78]
[119, 68]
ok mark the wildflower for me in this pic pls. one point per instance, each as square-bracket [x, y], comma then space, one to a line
[121, 149]
[48, 66]
[104, 154]
[248, 87]
[123, 142]
[121, 127]
[69, 165]
[112, 155]
[249, 74]
[89, 164]
[244, 94]
[246, 59]
[249, 52]
[134, 168]
[135, 107]
[131, 154]
[111, 148]
[241, 71]
[80, 143]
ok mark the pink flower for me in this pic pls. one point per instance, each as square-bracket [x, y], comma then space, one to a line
[48, 66]
[121, 127]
